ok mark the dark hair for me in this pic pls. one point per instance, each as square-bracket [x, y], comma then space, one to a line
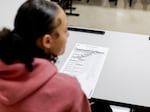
[34, 19]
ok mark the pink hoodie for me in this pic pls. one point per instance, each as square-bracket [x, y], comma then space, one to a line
[42, 90]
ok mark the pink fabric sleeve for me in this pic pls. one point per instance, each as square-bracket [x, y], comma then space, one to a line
[81, 102]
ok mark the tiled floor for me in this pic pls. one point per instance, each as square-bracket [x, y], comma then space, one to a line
[101, 14]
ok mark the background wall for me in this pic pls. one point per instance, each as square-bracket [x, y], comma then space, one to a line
[8, 9]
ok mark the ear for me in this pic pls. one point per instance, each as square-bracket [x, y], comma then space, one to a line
[46, 41]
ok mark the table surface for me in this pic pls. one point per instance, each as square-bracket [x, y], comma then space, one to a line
[125, 76]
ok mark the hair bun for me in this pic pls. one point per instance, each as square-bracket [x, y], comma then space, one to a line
[11, 45]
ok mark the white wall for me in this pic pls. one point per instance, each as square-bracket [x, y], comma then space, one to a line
[8, 9]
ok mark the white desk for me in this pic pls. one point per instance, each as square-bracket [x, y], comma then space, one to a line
[125, 76]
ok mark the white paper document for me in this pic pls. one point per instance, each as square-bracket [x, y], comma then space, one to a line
[85, 63]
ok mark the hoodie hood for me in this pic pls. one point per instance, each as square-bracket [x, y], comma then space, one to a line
[16, 82]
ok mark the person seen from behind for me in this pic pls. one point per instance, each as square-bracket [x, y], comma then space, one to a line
[29, 79]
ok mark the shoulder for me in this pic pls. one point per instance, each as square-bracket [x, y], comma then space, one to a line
[70, 92]
[68, 82]
[65, 86]
[59, 80]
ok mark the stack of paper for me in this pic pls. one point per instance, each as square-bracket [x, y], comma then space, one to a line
[85, 63]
